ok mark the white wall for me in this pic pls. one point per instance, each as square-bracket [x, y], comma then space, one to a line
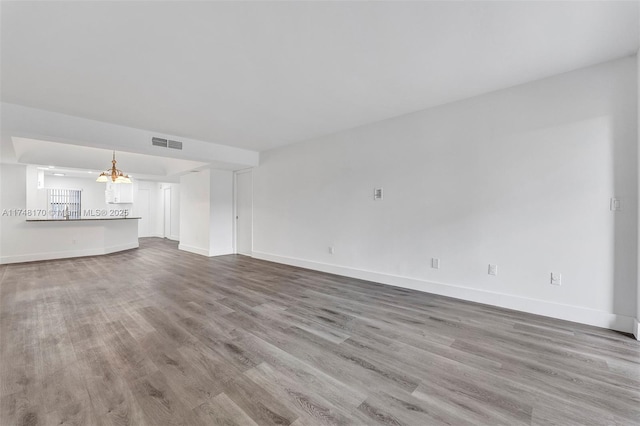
[221, 220]
[636, 330]
[194, 212]
[520, 178]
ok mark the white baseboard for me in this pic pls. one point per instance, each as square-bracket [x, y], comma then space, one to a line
[192, 249]
[121, 247]
[171, 237]
[636, 328]
[221, 253]
[32, 257]
[204, 252]
[518, 303]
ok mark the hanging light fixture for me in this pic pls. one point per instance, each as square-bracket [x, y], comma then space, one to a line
[114, 174]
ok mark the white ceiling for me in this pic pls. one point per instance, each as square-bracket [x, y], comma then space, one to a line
[259, 75]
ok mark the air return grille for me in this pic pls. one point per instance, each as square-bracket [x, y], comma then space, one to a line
[164, 143]
[175, 144]
[159, 142]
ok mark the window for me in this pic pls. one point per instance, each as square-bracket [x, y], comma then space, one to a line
[64, 203]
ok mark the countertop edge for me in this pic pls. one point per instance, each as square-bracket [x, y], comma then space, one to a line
[83, 220]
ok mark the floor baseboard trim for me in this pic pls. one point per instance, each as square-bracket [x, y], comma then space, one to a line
[636, 328]
[192, 249]
[204, 252]
[534, 306]
[221, 253]
[34, 257]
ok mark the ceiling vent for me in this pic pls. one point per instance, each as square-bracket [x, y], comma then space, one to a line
[175, 145]
[164, 143]
[159, 142]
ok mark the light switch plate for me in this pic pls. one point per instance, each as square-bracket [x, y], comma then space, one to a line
[615, 205]
[493, 269]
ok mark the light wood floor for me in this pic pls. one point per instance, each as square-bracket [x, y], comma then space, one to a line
[155, 337]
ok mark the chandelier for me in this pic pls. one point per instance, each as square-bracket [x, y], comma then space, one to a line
[114, 174]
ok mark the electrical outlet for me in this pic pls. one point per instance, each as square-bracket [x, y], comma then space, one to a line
[556, 279]
[435, 263]
[331, 250]
[493, 269]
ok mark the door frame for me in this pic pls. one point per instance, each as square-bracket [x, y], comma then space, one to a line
[235, 209]
[164, 212]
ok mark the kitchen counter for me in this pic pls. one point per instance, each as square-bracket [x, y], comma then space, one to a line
[83, 219]
[45, 239]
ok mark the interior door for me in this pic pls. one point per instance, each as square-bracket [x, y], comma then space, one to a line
[167, 212]
[244, 212]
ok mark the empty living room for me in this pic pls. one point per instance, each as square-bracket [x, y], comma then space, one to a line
[308, 213]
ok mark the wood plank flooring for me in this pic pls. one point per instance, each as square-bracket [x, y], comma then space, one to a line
[155, 336]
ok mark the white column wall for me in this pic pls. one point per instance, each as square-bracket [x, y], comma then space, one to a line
[221, 219]
[206, 212]
[195, 205]
[636, 328]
